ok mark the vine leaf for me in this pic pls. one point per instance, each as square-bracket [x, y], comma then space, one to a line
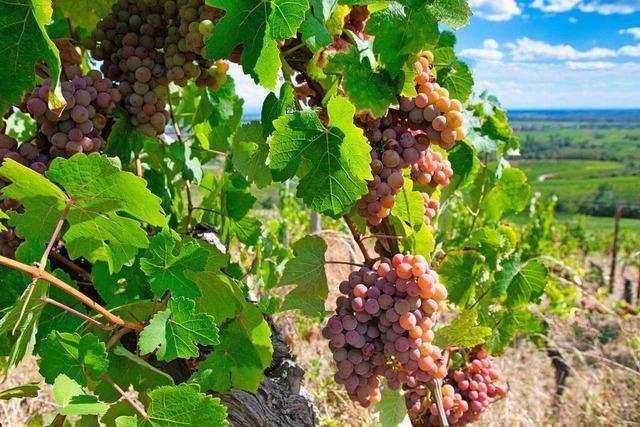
[167, 260]
[458, 79]
[25, 43]
[2, 223]
[246, 23]
[25, 326]
[520, 283]
[20, 391]
[393, 409]
[508, 323]
[174, 332]
[77, 356]
[244, 352]
[465, 165]
[250, 152]
[307, 271]
[333, 162]
[369, 90]
[89, 14]
[409, 205]
[104, 221]
[68, 394]
[286, 17]
[510, 195]
[125, 138]
[180, 405]
[128, 285]
[462, 332]
[314, 34]
[274, 107]
[454, 13]
[126, 369]
[460, 272]
[401, 32]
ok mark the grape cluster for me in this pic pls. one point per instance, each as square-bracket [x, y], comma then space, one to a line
[466, 393]
[431, 168]
[430, 208]
[383, 327]
[145, 45]
[77, 129]
[27, 154]
[402, 138]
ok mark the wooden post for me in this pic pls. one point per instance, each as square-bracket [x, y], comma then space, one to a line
[614, 255]
[628, 291]
[316, 222]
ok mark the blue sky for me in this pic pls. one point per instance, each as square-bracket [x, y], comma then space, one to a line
[539, 54]
[556, 53]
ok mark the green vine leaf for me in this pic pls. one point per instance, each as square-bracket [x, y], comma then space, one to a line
[460, 272]
[509, 195]
[239, 360]
[20, 391]
[250, 152]
[409, 205]
[25, 326]
[454, 13]
[127, 285]
[101, 216]
[25, 44]
[275, 107]
[72, 400]
[126, 369]
[3, 216]
[462, 332]
[307, 271]
[393, 409]
[174, 332]
[246, 23]
[89, 14]
[286, 17]
[167, 260]
[401, 32]
[370, 90]
[77, 356]
[520, 283]
[180, 406]
[333, 162]
[458, 79]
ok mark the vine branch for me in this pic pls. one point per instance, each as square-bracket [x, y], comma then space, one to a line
[135, 405]
[76, 313]
[54, 236]
[36, 274]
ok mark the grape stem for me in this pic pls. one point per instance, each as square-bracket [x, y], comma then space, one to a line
[116, 337]
[135, 405]
[38, 274]
[358, 238]
[355, 264]
[438, 394]
[189, 205]
[54, 236]
[76, 313]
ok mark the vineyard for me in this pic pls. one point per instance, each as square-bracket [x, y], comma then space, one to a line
[367, 253]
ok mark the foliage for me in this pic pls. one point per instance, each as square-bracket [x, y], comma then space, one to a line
[157, 246]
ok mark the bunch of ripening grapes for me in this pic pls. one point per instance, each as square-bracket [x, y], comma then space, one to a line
[402, 138]
[466, 394]
[383, 328]
[90, 99]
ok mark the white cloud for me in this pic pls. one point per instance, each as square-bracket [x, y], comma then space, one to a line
[495, 10]
[590, 65]
[633, 31]
[526, 49]
[621, 7]
[553, 85]
[603, 7]
[488, 52]
[554, 6]
[630, 50]
[252, 93]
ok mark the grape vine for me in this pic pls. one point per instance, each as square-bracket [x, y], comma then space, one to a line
[142, 214]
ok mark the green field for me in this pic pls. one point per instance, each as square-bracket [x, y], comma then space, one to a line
[589, 165]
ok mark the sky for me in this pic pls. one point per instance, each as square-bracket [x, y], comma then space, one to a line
[543, 54]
